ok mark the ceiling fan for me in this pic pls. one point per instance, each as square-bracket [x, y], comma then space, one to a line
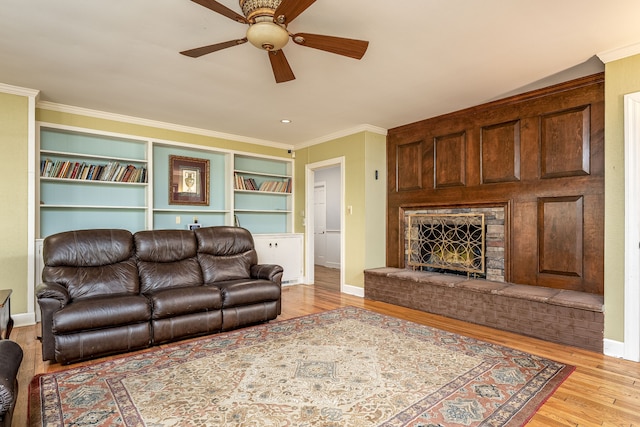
[268, 20]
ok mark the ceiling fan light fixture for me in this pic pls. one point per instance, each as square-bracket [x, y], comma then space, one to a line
[267, 35]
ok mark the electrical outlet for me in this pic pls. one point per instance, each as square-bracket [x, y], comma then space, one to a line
[178, 219]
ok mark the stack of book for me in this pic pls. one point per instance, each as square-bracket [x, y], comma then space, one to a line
[112, 171]
[268, 186]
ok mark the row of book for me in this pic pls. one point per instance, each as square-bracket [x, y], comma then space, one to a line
[269, 186]
[112, 171]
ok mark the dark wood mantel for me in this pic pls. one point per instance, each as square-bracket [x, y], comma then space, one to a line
[541, 154]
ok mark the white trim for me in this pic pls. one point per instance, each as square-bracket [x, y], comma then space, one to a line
[619, 53]
[309, 218]
[632, 227]
[343, 133]
[23, 319]
[45, 105]
[17, 90]
[353, 290]
[31, 207]
[613, 348]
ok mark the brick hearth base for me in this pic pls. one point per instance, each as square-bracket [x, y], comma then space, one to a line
[566, 317]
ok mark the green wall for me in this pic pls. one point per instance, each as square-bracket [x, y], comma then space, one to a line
[621, 77]
[364, 229]
[14, 133]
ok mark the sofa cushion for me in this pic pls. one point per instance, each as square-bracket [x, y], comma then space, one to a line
[167, 259]
[244, 292]
[180, 301]
[87, 248]
[91, 263]
[104, 312]
[225, 253]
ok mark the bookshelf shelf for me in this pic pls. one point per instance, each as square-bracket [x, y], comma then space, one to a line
[70, 154]
[92, 207]
[91, 181]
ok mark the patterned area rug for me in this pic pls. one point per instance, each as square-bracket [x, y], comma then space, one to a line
[346, 367]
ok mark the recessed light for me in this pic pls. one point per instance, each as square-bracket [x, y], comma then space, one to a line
[285, 121]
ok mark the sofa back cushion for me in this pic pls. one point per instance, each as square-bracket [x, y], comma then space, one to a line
[225, 253]
[167, 259]
[91, 263]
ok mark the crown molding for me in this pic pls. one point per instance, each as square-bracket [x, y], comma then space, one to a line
[619, 53]
[340, 134]
[46, 105]
[17, 90]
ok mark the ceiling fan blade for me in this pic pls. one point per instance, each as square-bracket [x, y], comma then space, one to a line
[341, 46]
[281, 69]
[222, 10]
[199, 51]
[290, 9]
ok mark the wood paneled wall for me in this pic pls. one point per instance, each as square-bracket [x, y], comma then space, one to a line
[540, 154]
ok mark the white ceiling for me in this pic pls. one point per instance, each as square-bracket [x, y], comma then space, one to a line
[425, 58]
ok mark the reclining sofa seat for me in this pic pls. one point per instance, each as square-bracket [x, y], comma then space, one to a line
[250, 292]
[171, 278]
[90, 298]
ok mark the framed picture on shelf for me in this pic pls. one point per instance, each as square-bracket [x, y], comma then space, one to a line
[188, 181]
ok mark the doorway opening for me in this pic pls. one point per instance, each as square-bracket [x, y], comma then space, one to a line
[325, 224]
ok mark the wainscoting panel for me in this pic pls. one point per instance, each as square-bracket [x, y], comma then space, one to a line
[450, 160]
[409, 176]
[564, 142]
[560, 231]
[500, 153]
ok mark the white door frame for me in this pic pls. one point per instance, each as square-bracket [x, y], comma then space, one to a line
[632, 227]
[309, 219]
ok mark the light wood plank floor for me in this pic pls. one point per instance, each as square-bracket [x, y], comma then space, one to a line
[603, 391]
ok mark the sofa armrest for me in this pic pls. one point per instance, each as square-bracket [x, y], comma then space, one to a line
[10, 360]
[51, 298]
[271, 272]
[52, 290]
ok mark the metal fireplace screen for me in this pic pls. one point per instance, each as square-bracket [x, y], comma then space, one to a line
[447, 242]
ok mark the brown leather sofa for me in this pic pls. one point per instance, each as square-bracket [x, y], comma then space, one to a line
[108, 291]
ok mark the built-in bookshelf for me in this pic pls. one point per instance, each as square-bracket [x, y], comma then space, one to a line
[93, 179]
[84, 176]
[262, 194]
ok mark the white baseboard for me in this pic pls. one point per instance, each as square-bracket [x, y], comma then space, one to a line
[613, 348]
[23, 319]
[353, 290]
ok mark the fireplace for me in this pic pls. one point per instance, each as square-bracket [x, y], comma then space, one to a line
[442, 242]
[459, 240]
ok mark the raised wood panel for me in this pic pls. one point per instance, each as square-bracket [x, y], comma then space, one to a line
[500, 152]
[565, 143]
[409, 166]
[560, 235]
[450, 160]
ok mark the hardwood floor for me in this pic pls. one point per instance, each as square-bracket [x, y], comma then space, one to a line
[602, 391]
